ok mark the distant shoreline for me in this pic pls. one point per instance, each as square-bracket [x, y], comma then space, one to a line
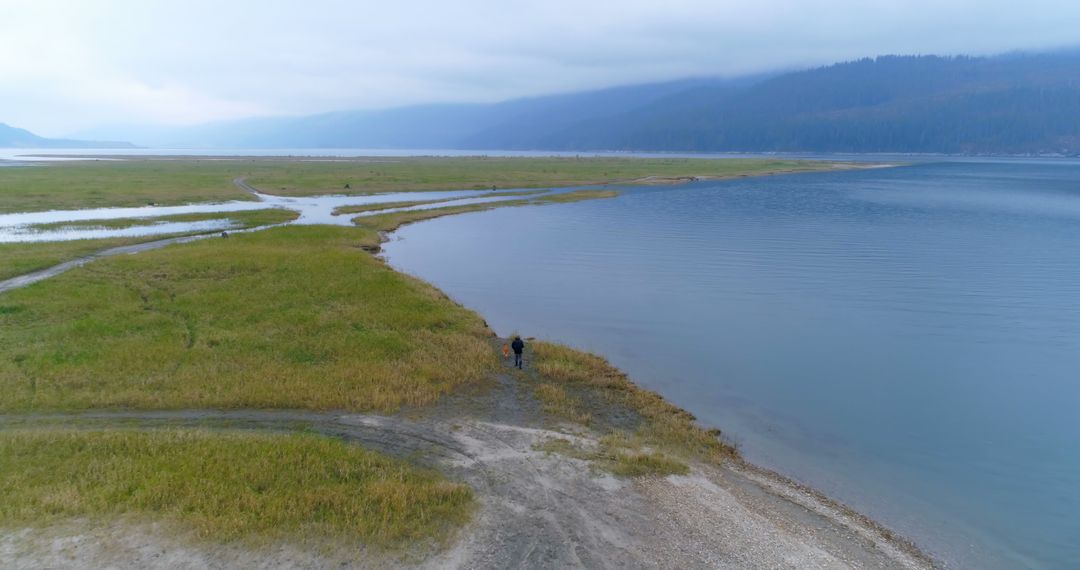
[345, 154]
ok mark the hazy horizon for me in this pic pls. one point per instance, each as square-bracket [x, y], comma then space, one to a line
[70, 66]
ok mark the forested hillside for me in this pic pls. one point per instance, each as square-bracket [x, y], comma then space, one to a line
[1017, 104]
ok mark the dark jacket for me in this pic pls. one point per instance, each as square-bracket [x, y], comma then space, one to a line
[518, 345]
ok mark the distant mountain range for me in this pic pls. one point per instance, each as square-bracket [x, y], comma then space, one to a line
[1014, 104]
[12, 137]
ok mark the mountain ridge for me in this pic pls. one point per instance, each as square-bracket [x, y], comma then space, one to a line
[14, 137]
[1008, 104]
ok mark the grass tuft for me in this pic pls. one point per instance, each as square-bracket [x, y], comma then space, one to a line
[613, 456]
[557, 402]
[638, 464]
[664, 425]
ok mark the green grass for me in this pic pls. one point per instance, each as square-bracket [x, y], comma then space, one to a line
[341, 210]
[575, 196]
[242, 219]
[22, 258]
[393, 220]
[96, 184]
[429, 173]
[88, 184]
[292, 317]
[226, 485]
[409, 203]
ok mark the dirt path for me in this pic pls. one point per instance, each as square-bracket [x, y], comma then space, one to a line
[537, 509]
[241, 183]
[41, 275]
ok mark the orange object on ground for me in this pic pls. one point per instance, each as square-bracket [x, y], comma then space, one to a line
[506, 351]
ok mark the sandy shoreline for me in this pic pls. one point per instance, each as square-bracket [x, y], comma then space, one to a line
[536, 509]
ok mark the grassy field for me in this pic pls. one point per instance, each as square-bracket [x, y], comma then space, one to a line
[298, 317]
[96, 184]
[226, 485]
[87, 184]
[411, 174]
[294, 317]
[22, 258]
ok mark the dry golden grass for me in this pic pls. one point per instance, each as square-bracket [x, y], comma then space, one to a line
[558, 403]
[226, 485]
[640, 463]
[615, 456]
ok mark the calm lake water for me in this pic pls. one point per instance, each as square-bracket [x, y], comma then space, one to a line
[907, 340]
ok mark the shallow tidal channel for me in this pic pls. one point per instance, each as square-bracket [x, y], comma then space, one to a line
[19, 227]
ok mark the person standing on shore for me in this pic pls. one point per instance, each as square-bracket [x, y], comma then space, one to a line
[519, 346]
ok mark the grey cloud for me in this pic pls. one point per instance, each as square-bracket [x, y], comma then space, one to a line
[185, 62]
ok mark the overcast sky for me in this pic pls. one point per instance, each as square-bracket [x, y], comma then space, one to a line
[69, 65]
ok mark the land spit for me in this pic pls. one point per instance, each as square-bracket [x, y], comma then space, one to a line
[536, 509]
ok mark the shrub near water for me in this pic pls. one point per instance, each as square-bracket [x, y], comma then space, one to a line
[225, 485]
[294, 317]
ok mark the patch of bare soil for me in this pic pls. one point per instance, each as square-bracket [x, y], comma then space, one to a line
[536, 509]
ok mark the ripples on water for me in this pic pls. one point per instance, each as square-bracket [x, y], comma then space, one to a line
[908, 340]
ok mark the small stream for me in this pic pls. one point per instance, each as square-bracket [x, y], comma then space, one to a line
[19, 227]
